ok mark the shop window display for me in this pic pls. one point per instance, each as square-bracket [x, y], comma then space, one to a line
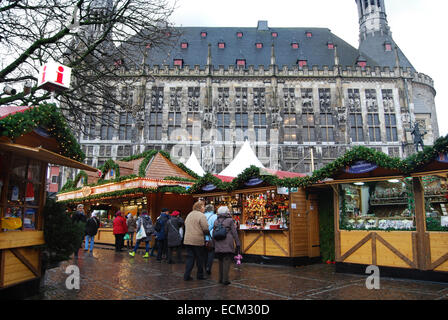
[22, 195]
[384, 205]
[436, 202]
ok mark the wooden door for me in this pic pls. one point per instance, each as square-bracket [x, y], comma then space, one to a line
[313, 226]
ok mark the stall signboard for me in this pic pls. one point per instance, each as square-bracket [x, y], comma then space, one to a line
[54, 77]
[360, 167]
[124, 185]
[282, 190]
[253, 182]
[209, 187]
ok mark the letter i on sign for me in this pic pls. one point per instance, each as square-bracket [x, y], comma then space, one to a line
[60, 75]
[43, 74]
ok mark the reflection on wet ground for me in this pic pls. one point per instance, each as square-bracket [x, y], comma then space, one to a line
[109, 275]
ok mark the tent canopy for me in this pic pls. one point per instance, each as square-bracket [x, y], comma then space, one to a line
[194, 165]
[244, 159]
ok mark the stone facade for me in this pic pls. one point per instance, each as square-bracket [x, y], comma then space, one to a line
[284, 113]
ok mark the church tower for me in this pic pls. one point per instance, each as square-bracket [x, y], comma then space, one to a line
[98, 10]
[372, 18]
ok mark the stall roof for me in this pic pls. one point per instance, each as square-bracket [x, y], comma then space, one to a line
[44, 155]
[244, 159]
[193, 164]
[10, 110]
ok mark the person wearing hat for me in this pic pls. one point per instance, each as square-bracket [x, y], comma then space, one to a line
[160, 228]
[173, 236]
[132, 227]
[120, 228]
[92, 226]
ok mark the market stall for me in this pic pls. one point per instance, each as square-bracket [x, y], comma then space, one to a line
[381, 208]
[276, 224]
[150, 182]
[30, 139]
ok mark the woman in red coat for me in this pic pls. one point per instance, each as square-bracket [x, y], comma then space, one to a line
[120, 229]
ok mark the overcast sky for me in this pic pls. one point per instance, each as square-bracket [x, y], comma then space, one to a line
[417, 27]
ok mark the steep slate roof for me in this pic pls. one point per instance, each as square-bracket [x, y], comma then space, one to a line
[373, 46]
[314, 49]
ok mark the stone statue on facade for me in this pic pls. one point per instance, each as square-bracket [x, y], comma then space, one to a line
[418, 137]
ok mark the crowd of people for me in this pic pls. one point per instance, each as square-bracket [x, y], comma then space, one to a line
[205, 235]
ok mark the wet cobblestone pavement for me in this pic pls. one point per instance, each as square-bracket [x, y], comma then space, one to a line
[108, 275]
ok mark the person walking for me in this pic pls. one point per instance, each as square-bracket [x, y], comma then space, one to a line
[131, 222]
[92, 226]
[224, 248]
[119, 230]
[145, 221]
[173, 236]
[79, 217]
[196, 227]
[161, 234]
[209, 250]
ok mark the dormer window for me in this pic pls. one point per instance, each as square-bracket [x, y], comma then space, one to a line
[295, 45]
[168, 34]
[179, 62]
[388, 46]
[362, 64]
[239, 35]
[259, 45]
[203, 34]
[184, 45]
[221, 45]
[302, 63]
[330, 45]
[274, 34]
[241, 62]
[309, 34]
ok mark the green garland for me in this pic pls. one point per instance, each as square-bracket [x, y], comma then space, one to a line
[108, 165]
[49, 118]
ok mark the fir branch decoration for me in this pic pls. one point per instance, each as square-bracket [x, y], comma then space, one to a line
[45, 116]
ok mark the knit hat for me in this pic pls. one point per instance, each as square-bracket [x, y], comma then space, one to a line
[175, 213]
[144, 213]
[94, 213]
[118, 213]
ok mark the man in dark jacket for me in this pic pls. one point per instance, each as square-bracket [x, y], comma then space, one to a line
[79, 217]
[92, 226]
[161, 238]
[173, 235]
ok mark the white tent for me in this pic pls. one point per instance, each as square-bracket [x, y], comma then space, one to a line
[245, 158]
[194, 165]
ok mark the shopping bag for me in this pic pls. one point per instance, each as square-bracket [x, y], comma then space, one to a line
[127, 237]
[141, 233]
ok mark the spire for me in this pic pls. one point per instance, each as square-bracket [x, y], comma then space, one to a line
[372, 18]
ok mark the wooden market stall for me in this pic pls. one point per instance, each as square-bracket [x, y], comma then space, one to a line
[380, 214]
[275, 224]
[30, 139]
[149, 181]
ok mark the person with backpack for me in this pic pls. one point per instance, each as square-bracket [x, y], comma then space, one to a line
[131, 222]
[196, 227]
[174, 237]
[92, 226]
[143, 221]
[209, 251]
[161, 233]
[225, 236]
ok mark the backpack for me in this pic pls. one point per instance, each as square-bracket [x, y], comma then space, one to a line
[219, 232]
